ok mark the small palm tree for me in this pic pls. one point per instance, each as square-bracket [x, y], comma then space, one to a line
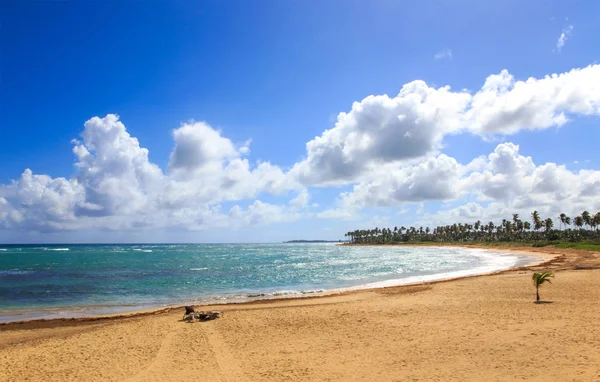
[578, 221]
[562, 218]
[537, 222]
[538, 280]
[596, 221]
[587, 218]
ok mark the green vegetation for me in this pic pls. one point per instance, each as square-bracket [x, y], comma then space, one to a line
[584, 246]
[538, 280]
[539, 233]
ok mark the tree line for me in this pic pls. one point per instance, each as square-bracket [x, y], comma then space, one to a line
[513, 230]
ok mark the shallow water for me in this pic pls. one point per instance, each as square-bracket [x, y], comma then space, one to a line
[80, 280]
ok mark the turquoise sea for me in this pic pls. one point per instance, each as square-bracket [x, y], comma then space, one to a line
[49, 281]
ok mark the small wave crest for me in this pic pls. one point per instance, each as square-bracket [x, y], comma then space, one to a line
[271, 295]
[55, 249]
[198, 269]
[3, 249]
[142, 250]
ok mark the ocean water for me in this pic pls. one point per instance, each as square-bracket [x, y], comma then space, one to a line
[80, 280]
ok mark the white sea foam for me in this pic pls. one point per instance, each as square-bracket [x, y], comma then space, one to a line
[55, 249]
[142, 250]
[493, 262]
[3, 249]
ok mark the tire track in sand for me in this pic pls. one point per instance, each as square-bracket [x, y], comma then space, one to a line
[230, 367]
[185, 351]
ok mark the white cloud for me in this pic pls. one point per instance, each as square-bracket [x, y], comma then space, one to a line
[301, 200]
[235, 181]
[212, 216]
[115, 186]
[518, 182]
[114, 172]
[564, 36]
[506, 106]
[198, 147]
[501, 179]
[46, 202]
[513, 183]
[382, 130]
[505, 181]
[208, 168]
[444, 53]
[436, 178]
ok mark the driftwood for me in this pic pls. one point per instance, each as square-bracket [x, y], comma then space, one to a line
[191, 315]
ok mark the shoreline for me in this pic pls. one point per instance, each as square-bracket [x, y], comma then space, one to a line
[484, 327]
[542, 257]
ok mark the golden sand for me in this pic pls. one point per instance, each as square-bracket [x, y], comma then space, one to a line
[477, 328]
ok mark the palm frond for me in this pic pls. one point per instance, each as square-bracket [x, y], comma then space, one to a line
[540, 278]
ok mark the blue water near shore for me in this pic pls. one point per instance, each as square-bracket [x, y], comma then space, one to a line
[53, 281]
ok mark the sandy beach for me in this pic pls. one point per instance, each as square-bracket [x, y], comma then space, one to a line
[475, 328]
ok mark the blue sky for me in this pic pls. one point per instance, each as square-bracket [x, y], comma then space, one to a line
[269, 77]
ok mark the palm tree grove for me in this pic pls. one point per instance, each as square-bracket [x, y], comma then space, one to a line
[577, 231]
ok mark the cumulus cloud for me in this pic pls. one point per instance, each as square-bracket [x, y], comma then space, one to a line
[518, 182]
[198, 147]
[436, 178]
[381, 129]
[115, 186]
[237, 180]
[506, 106]
[564, 36]
[114, 172]
[503, 174]
[513, 183]
[47, 202]
[206, 167]
[502, 183]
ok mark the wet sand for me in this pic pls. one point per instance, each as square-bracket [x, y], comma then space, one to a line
[475, 328]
